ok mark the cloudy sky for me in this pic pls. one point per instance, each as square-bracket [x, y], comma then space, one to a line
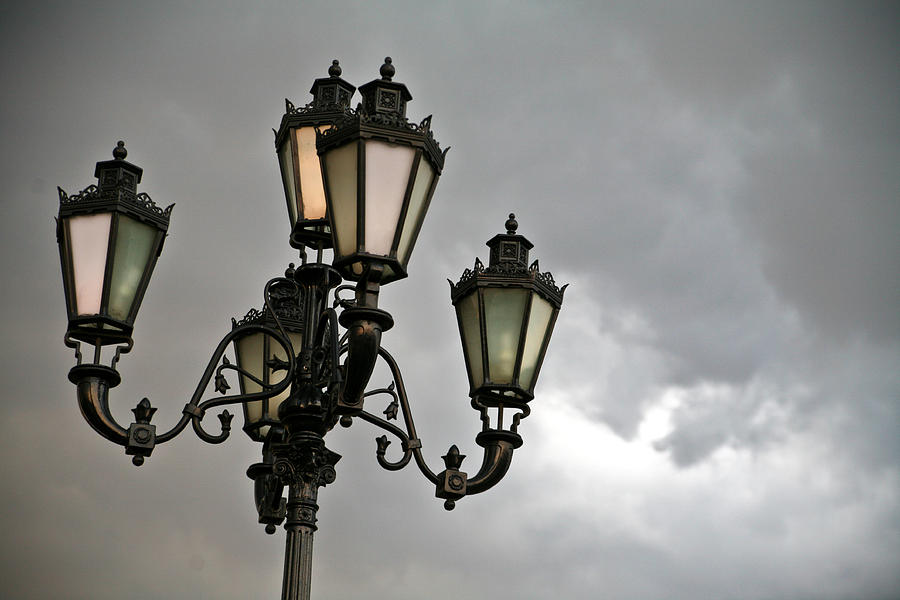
[718, 415]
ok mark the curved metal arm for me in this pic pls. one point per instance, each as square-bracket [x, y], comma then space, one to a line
[498, 450]
[327, 354]
[408, 439]
[364, 327]
[195, 409]
[94, 381]
[451, 483]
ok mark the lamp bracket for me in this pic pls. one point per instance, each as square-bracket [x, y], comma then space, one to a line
[451, 484]
[94, 380]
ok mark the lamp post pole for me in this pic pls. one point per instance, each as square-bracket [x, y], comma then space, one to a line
[311, 468]
[358, 182]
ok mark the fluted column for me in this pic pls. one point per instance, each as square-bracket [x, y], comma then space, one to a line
[304, 464]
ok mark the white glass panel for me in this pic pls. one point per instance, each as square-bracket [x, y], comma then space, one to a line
[276, 351]
[340, 169]
[250, 358]
[538, 321]
[504, 310]
[387, 176]
[416, 211]
[470, 325]
[287, 175]
[312, 193]
[89, 238]
[134, 244]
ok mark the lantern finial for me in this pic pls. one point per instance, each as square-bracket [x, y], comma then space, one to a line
[335, 69]
[509, 249]
[119, 152]
[387, 69]
[511, 224]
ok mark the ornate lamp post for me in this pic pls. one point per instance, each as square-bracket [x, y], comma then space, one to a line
[303, 362]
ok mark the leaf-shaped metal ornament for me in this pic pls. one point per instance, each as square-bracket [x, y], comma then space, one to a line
[391, 411]
[221, 384]
[225, 418]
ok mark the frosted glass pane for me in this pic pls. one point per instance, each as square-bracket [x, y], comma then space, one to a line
[276, 351]
[416, 211]
[387, 176]
[504, 311]
[134, 244]
[311, 191]
[467, 310]
[89, 239]
[340, 168]
[287, 175]
[250, 358]
[538, 321]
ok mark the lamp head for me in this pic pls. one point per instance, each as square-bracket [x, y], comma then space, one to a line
[109, 237]
[295, 144]
[506, 312]
[380, 171]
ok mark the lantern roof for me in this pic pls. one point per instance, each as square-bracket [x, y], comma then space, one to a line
[331, 97]
[508, 266]
[382, 115]
[116, 190]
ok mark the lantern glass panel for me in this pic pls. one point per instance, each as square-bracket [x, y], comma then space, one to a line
[276, 351]
[504, 311]
[134, 248]
[89, 240]
[340, 170]
[312, 194]
[251, 350]
[387, 176]
[285, 157]
[250, 358]
[535, 336]
[470, 326]
[416, 211]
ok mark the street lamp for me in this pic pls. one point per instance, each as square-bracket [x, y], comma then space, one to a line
[358, 181]
[295, 143]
